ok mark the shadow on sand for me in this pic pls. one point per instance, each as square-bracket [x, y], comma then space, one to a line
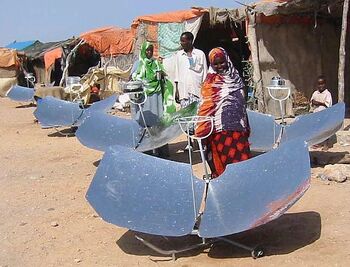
[68, 132]
[30, 105]
[288, 233]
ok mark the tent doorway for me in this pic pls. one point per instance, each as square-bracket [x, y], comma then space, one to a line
[230, 36]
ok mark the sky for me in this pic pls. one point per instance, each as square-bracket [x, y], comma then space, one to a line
[55, 20]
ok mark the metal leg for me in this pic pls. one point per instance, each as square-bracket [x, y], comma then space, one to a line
[256, 252]
[173, 252]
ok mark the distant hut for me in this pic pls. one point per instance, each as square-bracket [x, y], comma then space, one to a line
[9, 69]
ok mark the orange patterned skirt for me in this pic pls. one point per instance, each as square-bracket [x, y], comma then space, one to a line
[224, 148]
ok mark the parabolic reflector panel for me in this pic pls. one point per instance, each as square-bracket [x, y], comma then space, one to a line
[144, 193]
[256, 191]
[159, 137]
[166, 132]
[103, 105]
[20, 93]
[316, 127]
[52, 112]
[100, 131]
[264, 131]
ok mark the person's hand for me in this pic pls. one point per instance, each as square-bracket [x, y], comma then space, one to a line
[177, 96]
[318, 103]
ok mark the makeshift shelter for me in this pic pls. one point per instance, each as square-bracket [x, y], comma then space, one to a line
[22, 45]
[107, 79]
[46, 68]
[296, 40]
[9, 66]
[226, 28]
[114, 44]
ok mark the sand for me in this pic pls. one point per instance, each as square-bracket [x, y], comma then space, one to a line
[46, 221]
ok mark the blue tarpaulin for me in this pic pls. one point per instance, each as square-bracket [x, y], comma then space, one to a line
[21, 45]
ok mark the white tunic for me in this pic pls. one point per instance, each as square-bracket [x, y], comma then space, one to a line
[324, 97]
[190, 72]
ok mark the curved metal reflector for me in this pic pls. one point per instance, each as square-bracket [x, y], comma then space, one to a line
[316, 127]
[103, 105]
[264, 131]
[159, 137]
[256, 191]
[20, 93]
[53, 112]
[144, 193]
[100, 131]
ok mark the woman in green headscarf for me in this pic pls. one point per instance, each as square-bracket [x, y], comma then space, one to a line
[160, 101]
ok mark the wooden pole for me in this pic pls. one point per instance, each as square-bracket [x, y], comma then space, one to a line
[342, 53]
[252, 38]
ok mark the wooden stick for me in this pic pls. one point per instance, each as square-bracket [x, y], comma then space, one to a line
[255, 61]
[342, 53]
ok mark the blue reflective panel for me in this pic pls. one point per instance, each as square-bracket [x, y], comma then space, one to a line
[264, 131]
[159, 137]
[20, 93]
[256, 191]
[99, 131]
[144, 193]
[103, 105]
[316, 127]
[52, 112]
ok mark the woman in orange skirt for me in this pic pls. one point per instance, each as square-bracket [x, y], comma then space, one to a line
[223, 99]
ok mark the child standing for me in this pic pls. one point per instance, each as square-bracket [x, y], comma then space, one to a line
[321, 98]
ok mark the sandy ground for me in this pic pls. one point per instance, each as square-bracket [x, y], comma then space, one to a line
[46, 221]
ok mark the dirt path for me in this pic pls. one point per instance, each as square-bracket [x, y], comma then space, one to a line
[46, 221]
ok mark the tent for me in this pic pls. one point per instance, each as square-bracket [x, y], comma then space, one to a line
[296, 40]
[22, 45]
[38, 61]
[114, 44]
[9, 65]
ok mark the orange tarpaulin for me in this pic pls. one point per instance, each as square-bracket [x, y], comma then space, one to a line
[176, 16]
[51, 56]
[8, 57]
[110, 40]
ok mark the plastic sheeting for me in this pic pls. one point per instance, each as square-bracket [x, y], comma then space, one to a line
[8, 57]
[110, 41]
[156, 196]
[169, 38]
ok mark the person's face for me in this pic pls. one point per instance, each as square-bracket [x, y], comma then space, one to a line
[219, 64]
[186, 44]
[149, 52]
[321, 85]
